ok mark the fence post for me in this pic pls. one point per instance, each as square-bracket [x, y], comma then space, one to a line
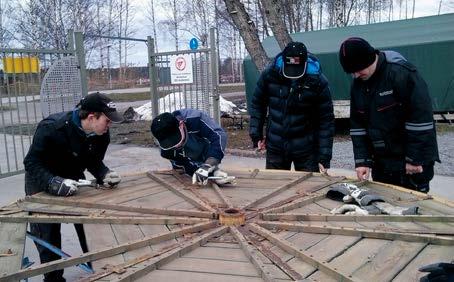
[152, 76]
[80, 53]
[214, 76]
[70, 40]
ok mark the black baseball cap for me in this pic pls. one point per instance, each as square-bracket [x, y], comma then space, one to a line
[100, 103]
[356, 54]
[294, 57]
[166, 128]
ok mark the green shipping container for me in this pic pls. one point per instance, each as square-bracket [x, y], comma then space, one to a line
[426, 42]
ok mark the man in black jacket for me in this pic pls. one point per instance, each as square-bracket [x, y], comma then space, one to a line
[293, 96]
[391, 116]
[64, 145]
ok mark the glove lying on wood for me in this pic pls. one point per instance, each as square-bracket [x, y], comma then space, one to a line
[60, 186]
[368, 201]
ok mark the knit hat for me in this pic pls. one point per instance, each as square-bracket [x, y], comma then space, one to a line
[356, 54]
[100, 103]
[294, 57]
[165, 127]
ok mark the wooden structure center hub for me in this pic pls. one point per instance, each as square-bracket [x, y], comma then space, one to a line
[232, 217]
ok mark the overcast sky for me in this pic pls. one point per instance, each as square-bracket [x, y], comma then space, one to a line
[138, 54]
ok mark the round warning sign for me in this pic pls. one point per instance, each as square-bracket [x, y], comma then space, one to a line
[180, 63]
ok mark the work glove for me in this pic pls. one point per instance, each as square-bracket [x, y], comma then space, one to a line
[350, 210]
[226, 179]
[111, 179]
[200, 176]
[62, 187]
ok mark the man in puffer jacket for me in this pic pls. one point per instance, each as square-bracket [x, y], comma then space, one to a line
[391, 117]
[293, 97]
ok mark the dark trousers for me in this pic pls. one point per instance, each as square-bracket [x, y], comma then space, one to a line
[418, 181]
[284, 161]
[49, 232]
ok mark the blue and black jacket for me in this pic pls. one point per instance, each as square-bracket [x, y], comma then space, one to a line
[299, 113]
[205, 142]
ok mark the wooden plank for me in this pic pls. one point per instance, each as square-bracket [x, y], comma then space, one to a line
[106, 241]
[103, 253]
[38, 218]
[187, 276]
[180, 192]
[322, 247]
[297, 252]
[388, 262]
[158, 262]
[296, 204]
[361, 232]
[122, 207]
[357, 218]
[429, 255]
[251, 253]
[278, 190]
[221, 195]
[12, 245]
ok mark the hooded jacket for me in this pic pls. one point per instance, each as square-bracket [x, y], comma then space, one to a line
[391, 116]
[299, 113]
[205, 142]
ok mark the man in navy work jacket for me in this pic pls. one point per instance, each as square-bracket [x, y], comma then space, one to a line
[193, 142]
[293, 97]
[392, 126]
[64, 146]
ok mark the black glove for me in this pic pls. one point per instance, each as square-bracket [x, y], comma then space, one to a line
[62, 187]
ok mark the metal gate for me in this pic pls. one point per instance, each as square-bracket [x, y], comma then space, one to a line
[202, 94]
[21, 76]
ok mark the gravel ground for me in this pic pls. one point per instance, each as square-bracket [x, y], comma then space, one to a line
[343, 154]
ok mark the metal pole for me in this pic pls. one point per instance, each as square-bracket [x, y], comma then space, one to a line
[214, 77]
[153, 78]
[80, 53]
[108, 66]
[70, 40]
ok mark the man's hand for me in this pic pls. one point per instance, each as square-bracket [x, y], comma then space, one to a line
[322, 169]
[412, 169]
[200, 176]
[362, 172]
[111, 179]
[62, 187]
[261, 145]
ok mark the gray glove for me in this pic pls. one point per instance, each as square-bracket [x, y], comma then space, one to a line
[111, 179]
[200, 176]
[62, 187]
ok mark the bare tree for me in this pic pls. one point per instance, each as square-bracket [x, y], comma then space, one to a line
[273, 13]
[6, 34]
[174, 17]
[152, 18]
[248, 32]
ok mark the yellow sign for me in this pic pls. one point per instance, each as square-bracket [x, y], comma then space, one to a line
[21, 65]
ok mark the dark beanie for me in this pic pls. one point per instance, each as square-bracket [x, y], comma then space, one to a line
[356, 54]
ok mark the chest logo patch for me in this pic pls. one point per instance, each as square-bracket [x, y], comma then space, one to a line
[385, 93]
